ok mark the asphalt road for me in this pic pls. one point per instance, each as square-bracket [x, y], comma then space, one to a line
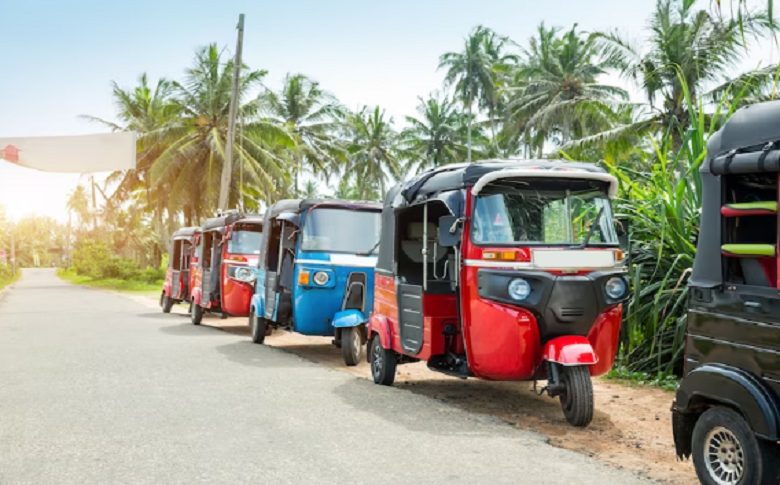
[97, 388]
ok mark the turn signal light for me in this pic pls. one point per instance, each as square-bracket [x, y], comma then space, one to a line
[500, 255]
[303, 278]
[619, 255]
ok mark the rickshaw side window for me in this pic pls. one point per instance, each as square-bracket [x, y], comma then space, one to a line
[176, 256]
[412, 229]
[272, 252]
[548, 217]
[749, 228]
[208, 243]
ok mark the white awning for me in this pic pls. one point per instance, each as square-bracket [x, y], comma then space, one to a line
[79, 154]
[547, 173]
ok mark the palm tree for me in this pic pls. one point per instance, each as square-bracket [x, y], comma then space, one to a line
[555, 94]
[311, 115]
[437, 137]
[372, 152]
[78, 203]
[190, 166]
[686, 47]
[473, 74]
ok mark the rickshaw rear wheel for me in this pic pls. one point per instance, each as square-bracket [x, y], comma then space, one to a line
[577, 395]
[196, 314]
[383, 362]
[258, 326]
[351, 345]
[167, 304]
[725, 450]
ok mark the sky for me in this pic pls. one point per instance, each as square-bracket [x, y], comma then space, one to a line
[60, 57]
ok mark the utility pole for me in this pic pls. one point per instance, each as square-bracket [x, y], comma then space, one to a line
[227, 166]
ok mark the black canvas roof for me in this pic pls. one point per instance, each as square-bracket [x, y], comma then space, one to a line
[459, 176]
[185, 232]
[228, 219]
[300, 205]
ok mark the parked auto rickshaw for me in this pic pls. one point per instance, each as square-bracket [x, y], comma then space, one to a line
[726, 413]
[502, 270]
[316, 272]
[227, 252]
[176, 287]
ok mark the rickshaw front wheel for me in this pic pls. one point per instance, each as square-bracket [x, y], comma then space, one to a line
[383, 362]
[351, 345]
[258, 326]
[197, 314]
[577, 395]
[167, 304]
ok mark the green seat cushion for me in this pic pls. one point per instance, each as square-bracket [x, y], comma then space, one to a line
[769, 206]
[749, 250]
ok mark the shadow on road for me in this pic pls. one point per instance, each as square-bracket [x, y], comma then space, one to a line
[251, 354]
[187, 329]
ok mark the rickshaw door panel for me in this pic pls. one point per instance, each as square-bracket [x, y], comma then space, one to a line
[410, 316]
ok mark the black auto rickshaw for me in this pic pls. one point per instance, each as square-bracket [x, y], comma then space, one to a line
[726, 413]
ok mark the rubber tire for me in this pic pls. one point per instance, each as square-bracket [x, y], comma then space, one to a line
[197, 314]
[385, 375]
[167, 304]
[762, 463]
[349, 351]
[257, 328]
[577, 397]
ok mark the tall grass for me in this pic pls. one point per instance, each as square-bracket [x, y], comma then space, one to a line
[661, 198]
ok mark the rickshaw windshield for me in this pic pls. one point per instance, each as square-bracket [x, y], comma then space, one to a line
[543, 217]
[245, 241]
[332, 230]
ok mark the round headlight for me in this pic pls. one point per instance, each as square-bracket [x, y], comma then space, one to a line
[616, 288]
[244, 274]
[519, 289]
[321, 278]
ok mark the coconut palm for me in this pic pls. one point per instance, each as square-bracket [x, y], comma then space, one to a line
[436, 137]
[686, 47]
[555, 94]
[372, 152]
[311, 116]
[473, 74]
[191, 165]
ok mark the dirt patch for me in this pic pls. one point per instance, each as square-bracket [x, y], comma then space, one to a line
[631, 428]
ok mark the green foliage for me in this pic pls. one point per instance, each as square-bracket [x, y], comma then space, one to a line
[95, 260]
[668, 382]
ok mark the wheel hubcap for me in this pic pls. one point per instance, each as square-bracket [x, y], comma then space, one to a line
[724, 457]
[356, 343]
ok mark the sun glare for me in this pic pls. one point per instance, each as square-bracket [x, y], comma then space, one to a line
[25, 192]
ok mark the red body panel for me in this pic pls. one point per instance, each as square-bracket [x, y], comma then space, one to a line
[502, 341]
[236, 295]
[384, 318]
[570, 350]
[604, 336]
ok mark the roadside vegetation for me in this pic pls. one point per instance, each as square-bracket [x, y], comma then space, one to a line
[540, 97]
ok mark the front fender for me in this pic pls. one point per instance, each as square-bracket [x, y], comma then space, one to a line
[348, 318]
[197, 294]
[570, 350]
[256, 305]
[728, 385]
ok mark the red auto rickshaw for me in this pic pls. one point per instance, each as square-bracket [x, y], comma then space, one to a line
[227, 251]
[502, 270]
[176, 287]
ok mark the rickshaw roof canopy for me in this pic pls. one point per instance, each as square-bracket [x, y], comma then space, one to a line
[430, 184]
[298, 206]
[231, 218]
[185, 232]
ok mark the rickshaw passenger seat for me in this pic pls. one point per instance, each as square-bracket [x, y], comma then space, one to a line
[413, 244]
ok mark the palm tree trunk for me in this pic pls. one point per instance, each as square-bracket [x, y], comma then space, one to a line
[468, 134]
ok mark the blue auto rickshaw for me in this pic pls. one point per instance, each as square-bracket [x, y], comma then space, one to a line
[315, 274]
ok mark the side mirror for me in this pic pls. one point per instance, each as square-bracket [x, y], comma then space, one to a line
[449, 231]
[622, 227]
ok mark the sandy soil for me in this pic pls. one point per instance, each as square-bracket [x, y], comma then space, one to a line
[631, 428]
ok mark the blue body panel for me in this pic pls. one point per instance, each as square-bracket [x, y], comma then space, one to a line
[349, 318]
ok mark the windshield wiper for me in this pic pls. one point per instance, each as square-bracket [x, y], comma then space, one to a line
[370, 251]
[590, 230]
